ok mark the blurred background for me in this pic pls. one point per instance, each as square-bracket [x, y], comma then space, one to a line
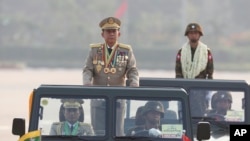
[57, 33]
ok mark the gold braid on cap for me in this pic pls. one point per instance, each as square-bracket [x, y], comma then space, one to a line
[110, 21]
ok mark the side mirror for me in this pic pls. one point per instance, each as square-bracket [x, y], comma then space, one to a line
[203, 131]
[18, 126]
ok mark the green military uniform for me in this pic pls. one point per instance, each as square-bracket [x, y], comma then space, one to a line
[79, 129]
[109, 68]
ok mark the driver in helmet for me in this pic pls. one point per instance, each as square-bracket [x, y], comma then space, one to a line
[221, 102]
[152, 113]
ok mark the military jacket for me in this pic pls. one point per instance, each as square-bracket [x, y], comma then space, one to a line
[206, 74]
[61, 128]
[102, 68]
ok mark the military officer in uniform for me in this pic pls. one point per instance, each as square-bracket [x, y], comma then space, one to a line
[194, 61]
[71, 125]
[152, 113]
[109, 64]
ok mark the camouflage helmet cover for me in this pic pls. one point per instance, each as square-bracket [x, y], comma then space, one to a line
[193, 27]
[220, 95]
[153, 106]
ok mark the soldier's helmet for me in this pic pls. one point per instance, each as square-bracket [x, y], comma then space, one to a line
[153, 106]
[193, 27]
[220, 95]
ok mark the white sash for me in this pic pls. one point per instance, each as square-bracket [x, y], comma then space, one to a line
[192, 69]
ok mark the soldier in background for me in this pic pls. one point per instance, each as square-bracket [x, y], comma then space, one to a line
[71, 125]
[221, 102]
[152, 113]
[109, 64]
[194, 61]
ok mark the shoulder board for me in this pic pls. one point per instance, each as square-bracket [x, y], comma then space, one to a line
[84, 124]
[96, 45]
[125, 46]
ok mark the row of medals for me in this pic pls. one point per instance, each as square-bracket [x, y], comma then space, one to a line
[99, 64]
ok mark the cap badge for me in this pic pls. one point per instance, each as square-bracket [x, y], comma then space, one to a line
[193, 26]
[110, 21]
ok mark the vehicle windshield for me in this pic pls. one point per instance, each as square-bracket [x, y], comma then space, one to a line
[143, 117]
[71, 116]
[151, 118]
[219, 107]
[222, 105]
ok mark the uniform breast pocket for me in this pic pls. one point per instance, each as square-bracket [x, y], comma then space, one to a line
[121, 69]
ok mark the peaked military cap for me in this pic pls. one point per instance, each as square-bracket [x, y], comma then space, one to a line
[72, 103]
[193, 27]
[110, 23]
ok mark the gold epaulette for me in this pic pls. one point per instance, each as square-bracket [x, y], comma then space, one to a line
[125, 46]
[96, 45]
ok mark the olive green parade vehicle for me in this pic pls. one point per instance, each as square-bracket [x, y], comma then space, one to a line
[220, 102]
[52, 109]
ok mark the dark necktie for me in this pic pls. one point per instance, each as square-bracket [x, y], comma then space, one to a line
[109, 50]
[71, 128]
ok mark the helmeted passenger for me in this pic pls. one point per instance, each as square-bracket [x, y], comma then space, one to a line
[152, 113]
[71, 125]
[221, 102]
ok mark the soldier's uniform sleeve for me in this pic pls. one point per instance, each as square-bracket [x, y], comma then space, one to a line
[88, 69]
[178, 69]
[132, 71]
[210, 65]
[55, 128]
[87, 129]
